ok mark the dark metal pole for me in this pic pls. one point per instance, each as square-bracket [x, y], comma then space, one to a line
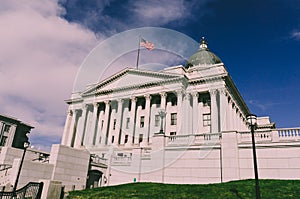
[19, 172]
[257, 188]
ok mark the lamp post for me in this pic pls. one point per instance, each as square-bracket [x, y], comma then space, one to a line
[162, 114]
[26, 145]
[251, 119]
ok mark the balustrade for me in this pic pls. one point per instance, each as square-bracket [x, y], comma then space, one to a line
[274, 135]
[289, 134]
[195, 139]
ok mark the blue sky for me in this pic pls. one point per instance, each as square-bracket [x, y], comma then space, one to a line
[43, 44]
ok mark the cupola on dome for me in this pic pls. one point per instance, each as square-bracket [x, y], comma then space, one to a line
[203, 56]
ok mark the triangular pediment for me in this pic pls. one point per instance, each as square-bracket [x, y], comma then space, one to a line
[131, 78]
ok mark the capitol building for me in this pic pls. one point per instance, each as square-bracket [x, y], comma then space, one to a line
[183, 124]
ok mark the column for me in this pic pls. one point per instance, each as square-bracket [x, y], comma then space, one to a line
[133, 118]
[119, 121]
[233, 117]
[223, 110]
[147, 116]
[67, 130]
[81, 127]
[163, 96]
[214, 112]
[229, 112]
[105, 131]
[74, 127]
[93, 134]
[195, 112]
[179, 112]
[186, 120]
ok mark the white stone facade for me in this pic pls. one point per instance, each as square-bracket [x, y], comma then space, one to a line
[205, 137]
[179, 125]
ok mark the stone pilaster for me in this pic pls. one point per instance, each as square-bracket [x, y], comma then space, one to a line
[195, 112]
[186, 126]
[223, 110]
[214, 112]
[179, 111]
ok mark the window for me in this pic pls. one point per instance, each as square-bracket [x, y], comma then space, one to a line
[173, 118]
[142, 121]
[115, 122]
[126, 139]
[156, 120]
[140, 138]
[6, 128]
[173, 133]
[206, 119]
[127, 122]
[112, 139]
[100, 139]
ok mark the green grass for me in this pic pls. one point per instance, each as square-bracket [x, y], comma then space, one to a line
[273, 189]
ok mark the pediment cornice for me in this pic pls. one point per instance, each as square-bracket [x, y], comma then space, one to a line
[162, 78]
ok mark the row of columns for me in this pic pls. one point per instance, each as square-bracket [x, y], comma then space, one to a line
[224, 116]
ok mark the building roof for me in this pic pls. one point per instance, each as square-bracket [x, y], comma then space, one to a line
[14, 120]
[203, 56]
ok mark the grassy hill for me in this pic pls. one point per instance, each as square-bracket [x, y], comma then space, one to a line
[273, 189]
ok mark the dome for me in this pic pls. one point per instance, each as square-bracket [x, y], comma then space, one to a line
[203, 56]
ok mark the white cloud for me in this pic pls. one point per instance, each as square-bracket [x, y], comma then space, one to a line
[161, 12]
[295, 35]
[39, 56]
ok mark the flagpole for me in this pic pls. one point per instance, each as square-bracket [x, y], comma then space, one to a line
[138, 55]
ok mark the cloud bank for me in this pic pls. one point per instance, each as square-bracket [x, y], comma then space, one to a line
[43, 43]
[39, 56]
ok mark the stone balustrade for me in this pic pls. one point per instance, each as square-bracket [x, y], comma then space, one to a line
[195, 139]
[289, 134]
[271, 136]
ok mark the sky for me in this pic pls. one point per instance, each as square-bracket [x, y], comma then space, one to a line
[44, 42]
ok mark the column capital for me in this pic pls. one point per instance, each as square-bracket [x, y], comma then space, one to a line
[70, 112]
[187, 96]
[107, 102]
[95, 104]
[195, 94]
[163, 94]
[120, 101]
[179, 92]
[133, 99]
[147, 97]
[213, 92]
[223, 91]
[84, 106]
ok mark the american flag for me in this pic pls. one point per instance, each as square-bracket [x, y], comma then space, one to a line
[147, 44]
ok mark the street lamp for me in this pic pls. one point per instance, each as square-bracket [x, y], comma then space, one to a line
[251, 119]
[26, 145]
[162, 114]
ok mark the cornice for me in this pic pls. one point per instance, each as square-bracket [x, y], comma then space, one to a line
[139, 86]
[129, 71]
